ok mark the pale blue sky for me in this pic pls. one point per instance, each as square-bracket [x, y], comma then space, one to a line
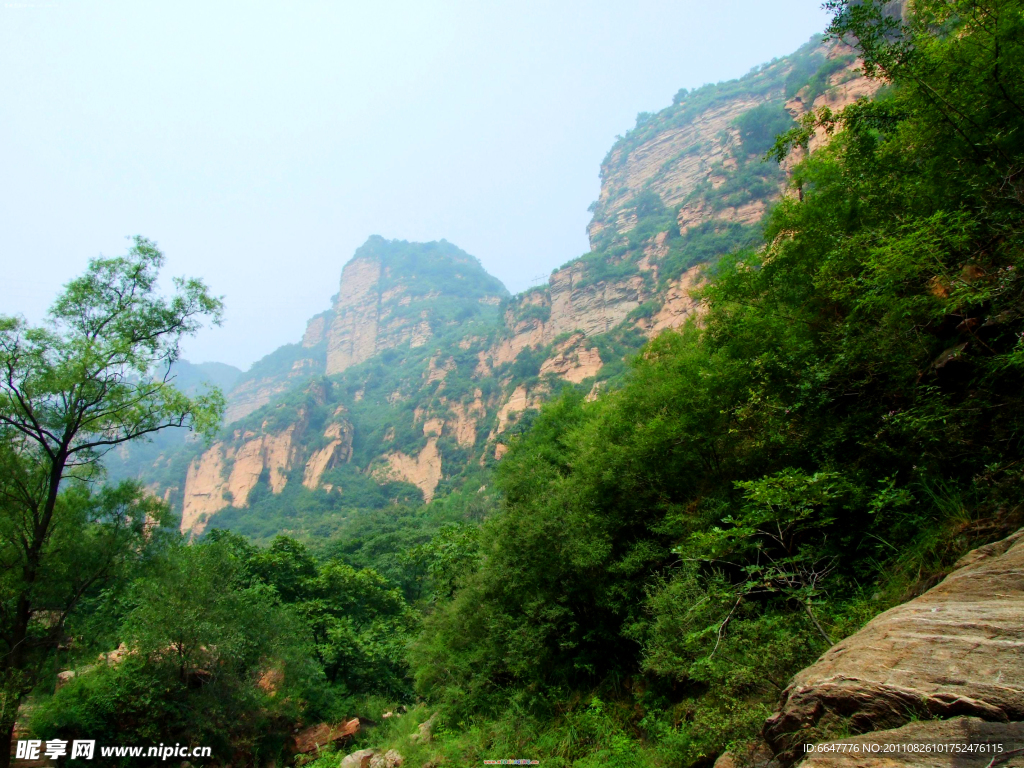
[260, 143]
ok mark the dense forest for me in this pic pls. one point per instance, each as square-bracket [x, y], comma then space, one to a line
[647, 568]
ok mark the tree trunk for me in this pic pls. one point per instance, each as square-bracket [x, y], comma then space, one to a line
[7, 739]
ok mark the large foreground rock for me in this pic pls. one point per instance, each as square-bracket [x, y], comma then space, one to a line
[964, 742]
[956, 650]
[315, 737]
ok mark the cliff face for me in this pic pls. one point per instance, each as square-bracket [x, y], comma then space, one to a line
[353, 332]
[390, 297]
[410, 383]
[689, 156]
[226, 473]
[666, 164]
[391, 293]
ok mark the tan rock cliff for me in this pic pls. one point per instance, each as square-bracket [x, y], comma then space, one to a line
[338, 451]
[208, 490]
[666, 164]
[353, 334]
[572, 361]
[423, 470]
[204, 490]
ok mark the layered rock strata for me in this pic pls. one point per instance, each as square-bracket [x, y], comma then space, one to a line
[956, 650]
[963, 742]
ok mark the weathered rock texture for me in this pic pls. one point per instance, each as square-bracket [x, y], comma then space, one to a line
[378, 307]
[339, 451]
[415, 337]
[572, 361]
[209, 488]
[684, 148]
[316, 737]
[669, 163]
[353, 334]
[251, 394]
[422, 470]
[316, 330]
[846, 87]
[927, 744]
[956, 650]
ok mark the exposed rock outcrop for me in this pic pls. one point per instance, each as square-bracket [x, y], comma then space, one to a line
[678, 305]
[390, 759]
[204, 489]
[252, 394]
[358, 759]
[665, 164]
[209, 489]
[425, 315]
[314, 738]
[845, 87]
[353, 333]
[379, 305]
[573, 361]
[520, 400]
[573, 303]
[958, 649]
[423, 470]
[464, 419]
[338, 451]
[316, 330]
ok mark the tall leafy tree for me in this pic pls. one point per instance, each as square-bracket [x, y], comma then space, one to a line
[95, 375]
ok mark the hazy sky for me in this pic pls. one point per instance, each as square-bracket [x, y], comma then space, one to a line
[260, 143]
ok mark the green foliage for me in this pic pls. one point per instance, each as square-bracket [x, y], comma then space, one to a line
[759, 83]
[705, 243]
[527, 363]
[198, 639]
[96, 375]
[759, 126]
[540, 312]
[423, 268]
[209, 626]
[841, 425]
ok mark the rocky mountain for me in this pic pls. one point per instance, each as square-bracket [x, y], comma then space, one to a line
[408, 387]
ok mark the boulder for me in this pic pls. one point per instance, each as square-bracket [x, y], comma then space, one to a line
[963, 742]
[358, 759]
[424, 733]
[390, 759]
[317, 736]
[957, 650]
[65, 677]
[755, 755]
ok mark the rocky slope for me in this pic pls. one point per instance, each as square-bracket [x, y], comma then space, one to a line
[945, 668]
[408, 386]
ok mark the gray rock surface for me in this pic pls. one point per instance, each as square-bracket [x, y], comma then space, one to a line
[957, 650]
[358, 759]
[927, 744]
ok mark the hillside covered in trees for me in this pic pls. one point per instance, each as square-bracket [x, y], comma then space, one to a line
[605, 522]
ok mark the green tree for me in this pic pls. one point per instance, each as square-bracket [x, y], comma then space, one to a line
[210, 658]
[95, 375]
